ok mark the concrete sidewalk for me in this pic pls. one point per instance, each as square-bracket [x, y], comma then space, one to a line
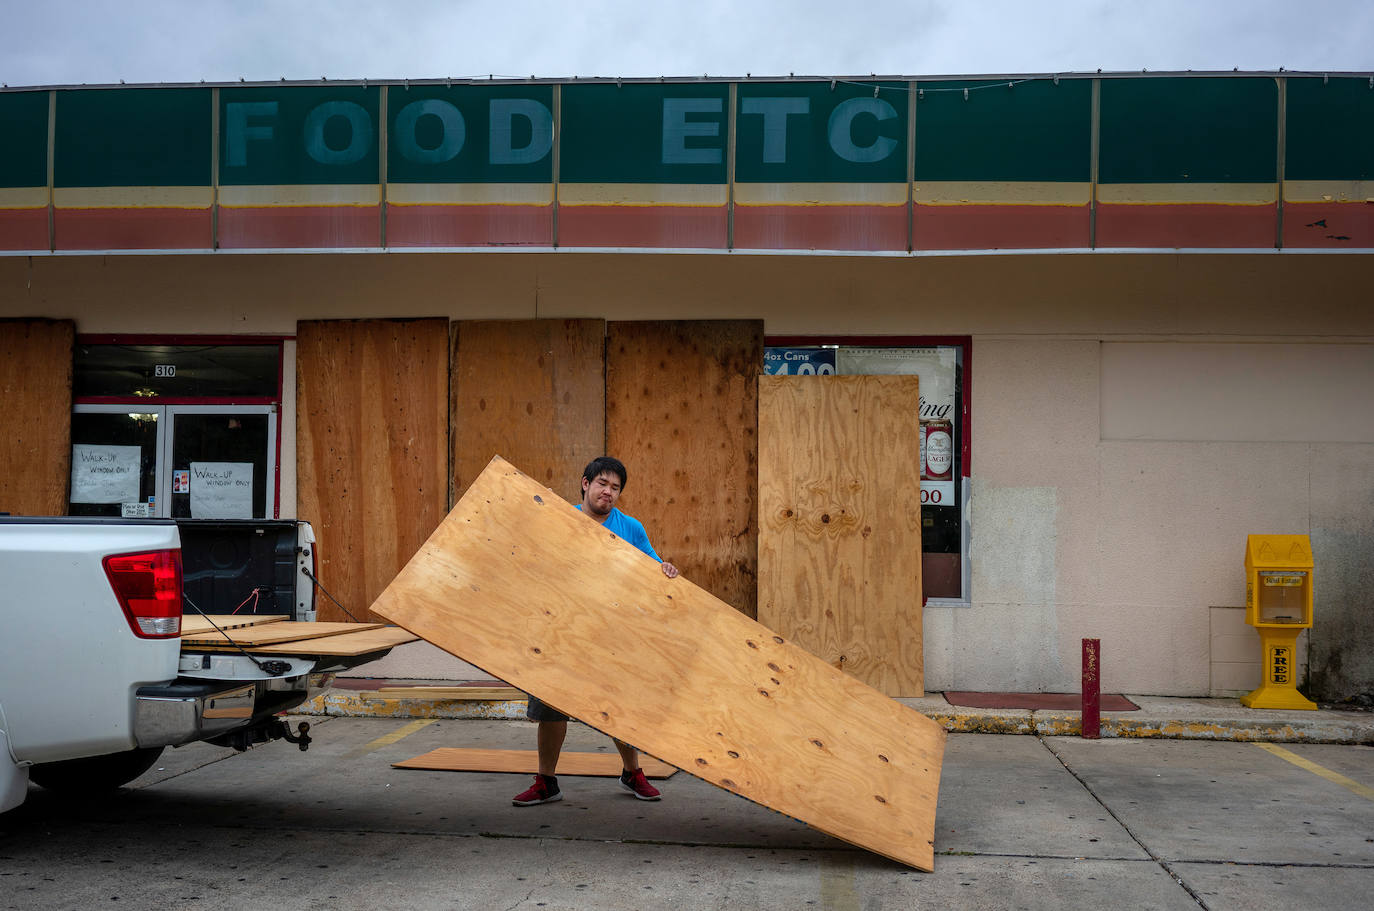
[1022, 822]
[1168, 717]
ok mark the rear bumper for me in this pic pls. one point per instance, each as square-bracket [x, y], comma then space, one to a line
[187, 711]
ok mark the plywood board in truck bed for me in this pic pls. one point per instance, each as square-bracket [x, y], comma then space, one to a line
[194, 624]
[520, 584]
[341, 645]
[268, 633]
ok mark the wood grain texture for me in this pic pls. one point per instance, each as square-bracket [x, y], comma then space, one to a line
[532, 390]
[36, 385]
[193, 624]
[268, 633]
[603, 765]
[840, 523]
[344, 645]
[682, 414]
[522, 585]
[371, 447]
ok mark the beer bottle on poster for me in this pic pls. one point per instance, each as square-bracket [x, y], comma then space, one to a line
[921, 436]
[939, 450]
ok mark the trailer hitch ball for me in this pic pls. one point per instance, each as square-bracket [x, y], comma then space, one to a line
[300, 738]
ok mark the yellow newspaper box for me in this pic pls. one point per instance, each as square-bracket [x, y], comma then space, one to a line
[1278, 603]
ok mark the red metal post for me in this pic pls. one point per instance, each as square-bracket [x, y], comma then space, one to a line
[1092, 692]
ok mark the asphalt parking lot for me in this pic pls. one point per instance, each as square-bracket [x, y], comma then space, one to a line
[1023, 822]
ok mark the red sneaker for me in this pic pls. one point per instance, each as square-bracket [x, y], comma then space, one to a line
[638, 785]
[544, 790]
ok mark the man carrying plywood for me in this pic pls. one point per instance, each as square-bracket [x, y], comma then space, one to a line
[603, 480]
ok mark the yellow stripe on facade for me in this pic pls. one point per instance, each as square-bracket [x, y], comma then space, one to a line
[1328, 190]
[469, 194]
[642, 194]
[1335, 777]
[820, 194]
[132, 197]
[367, 194]
[1234, 194]
[23, 197]
[1001, 193]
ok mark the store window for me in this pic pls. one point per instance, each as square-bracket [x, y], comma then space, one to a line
[940, 432]
[237, 372]
[180, 430]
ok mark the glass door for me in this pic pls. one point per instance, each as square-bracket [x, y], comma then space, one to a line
[178, 461]
[115, 455]
[221, 461]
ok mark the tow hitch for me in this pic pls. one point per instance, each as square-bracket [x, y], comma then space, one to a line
[302, 736]
[265, 732]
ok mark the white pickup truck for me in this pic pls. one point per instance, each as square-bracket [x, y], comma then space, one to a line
[94, 679]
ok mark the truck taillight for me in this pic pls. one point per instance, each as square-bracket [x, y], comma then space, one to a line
[148, 586]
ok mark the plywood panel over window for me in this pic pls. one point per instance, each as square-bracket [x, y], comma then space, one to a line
[532, 391]
[840, 523]
[682, 413]
[36, 385]
[372, 448]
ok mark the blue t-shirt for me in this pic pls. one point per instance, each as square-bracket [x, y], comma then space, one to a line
[630, 529]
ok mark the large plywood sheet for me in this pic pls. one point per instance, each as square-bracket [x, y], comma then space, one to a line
[36, 387]
[681, 413]
[371, 447]
[519, 583]
[840, 523]
[532, 390]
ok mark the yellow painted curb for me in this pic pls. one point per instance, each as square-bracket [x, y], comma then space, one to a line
[1313, 727]
[368, 704]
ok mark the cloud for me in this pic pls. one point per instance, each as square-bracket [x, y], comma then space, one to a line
[71, 41]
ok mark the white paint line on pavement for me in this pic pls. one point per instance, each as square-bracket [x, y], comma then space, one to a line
[1366, 792]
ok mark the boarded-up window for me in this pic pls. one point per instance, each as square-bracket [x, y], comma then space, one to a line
[682, 414]
[840, 514]
[372, 448]
[36, 385]
[533, 392]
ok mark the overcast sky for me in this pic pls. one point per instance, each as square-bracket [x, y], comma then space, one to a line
[58, 42]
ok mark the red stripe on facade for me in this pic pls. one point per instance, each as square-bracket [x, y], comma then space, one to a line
[23, 229]
[985, 227]
[300, 226]
[1186, 225]
[468, 225]
[143, 228]
[643, 226]
[1328, 224]
[821, 227]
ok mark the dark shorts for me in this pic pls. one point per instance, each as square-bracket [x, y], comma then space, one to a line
[541, 711]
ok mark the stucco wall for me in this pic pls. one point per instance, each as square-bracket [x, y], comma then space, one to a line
[1289, 296]
[1133, 541]
[1073, 535]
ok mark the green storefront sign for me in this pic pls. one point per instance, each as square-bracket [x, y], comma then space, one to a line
[1168, 129]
